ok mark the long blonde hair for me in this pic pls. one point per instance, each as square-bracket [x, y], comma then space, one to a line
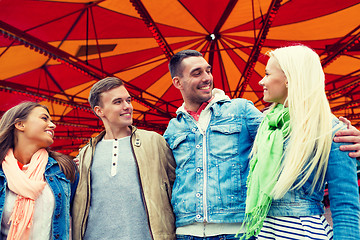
[310, 137]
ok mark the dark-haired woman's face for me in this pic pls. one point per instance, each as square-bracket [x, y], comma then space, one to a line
[38, 128]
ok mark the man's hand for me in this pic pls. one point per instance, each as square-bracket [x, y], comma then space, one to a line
[351, 135]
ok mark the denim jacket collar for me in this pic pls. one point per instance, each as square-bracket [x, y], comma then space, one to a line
[219, 96]
[50, 163]
[2, 174]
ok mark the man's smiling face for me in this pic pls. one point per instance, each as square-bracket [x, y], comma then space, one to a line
[196, 82]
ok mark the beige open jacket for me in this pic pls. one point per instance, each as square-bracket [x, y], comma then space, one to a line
[156, 167]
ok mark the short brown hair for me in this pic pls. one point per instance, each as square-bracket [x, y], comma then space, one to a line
[175, 61]
[102, 86]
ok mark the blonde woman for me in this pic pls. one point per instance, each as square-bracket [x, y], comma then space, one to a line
[35, 183]
[293, 157]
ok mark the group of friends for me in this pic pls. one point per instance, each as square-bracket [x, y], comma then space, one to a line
[222, 169]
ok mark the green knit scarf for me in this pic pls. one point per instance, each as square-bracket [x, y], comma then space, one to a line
[264, 168]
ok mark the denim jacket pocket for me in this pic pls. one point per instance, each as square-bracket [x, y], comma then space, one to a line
[181, 149]
[224, 142]
[59, 183]
[65, 185]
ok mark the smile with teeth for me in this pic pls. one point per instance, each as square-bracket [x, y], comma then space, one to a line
[50, 133]
[205, 87]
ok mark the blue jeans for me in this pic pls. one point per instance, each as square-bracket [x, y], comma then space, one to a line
[218, 237]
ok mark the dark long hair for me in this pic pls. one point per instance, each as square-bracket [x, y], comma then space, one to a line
[7, 136]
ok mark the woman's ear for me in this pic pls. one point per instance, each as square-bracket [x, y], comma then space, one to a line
[19, 126]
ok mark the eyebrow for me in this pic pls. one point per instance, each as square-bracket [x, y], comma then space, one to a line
[46, 115]
[119, 98]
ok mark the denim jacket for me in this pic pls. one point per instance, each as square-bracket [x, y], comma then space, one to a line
[212, 166]
[61, 188]
[341, 178]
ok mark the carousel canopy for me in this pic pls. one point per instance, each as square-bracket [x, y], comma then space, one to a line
[53, 51]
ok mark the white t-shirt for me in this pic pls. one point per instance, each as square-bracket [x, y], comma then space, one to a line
[42, 219]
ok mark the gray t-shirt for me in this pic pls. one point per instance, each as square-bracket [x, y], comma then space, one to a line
[116, 207]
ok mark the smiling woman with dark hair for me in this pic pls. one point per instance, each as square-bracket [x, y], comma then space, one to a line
[35, 183]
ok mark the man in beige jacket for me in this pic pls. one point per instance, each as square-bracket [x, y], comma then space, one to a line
[126, 175]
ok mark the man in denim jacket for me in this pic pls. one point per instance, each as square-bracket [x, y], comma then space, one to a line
[211, 139]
